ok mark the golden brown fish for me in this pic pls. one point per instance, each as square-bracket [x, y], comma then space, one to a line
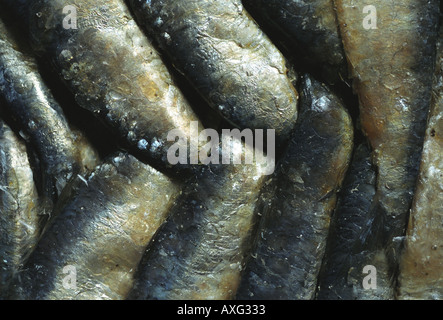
[422, 259]
[390, 48]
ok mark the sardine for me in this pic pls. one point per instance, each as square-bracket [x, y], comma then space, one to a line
[200, 251]
[19, 206]
[390, 47]
[422, 259]
[294, 227]
[223, 53]
[61, 152]
[348, 251]
[308, 30]
[113, 71]
[93, 246]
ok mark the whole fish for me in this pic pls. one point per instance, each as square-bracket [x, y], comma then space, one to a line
[223, 53]
[93, 246]
[347, 251]
[19, 206]
[309, 31]
[61, 152]
[293, 231]
[112, 69]
[200, 251]
[422, 259]
[390, 47]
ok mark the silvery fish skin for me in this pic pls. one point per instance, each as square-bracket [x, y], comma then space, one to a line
[422, 259]
[114, 72]
[293, 231]
[100, 234]
[348, 250]
[309, 30]
[220, 49]
[19, 206]
[61, 152]
[392, 67]
[200, 251]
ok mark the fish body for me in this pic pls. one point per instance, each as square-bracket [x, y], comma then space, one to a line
[94, 244]
[223, 53]
[19, 206]
[113, 71]
[391, 60]
[200, 251]
[61, 152]
[292, 236]
[347, 251]
[422, 260]
[309, 31]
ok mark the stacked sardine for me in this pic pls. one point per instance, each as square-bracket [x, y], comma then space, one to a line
[110, 189]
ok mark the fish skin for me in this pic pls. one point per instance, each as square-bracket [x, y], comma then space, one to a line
[308, 29]
[61, 152]
[347, 251]
[113, 71]
[102, 231]
[19, 206]
[292, 236]
[200, 251]
[223, 53]
[392, 69]
[421, 261]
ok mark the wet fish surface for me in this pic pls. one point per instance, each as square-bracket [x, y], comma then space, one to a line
[99, 236]
[292, 234]
[223, 53]
[391, 62]
[19, 206]
[200, 251]
[348, 250]
[114, 72]
[309, 30]
[422, 260]
[94, 206]
[61, 152]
